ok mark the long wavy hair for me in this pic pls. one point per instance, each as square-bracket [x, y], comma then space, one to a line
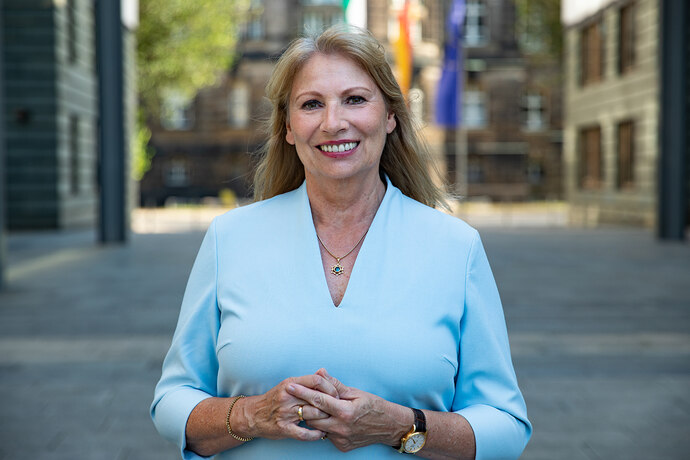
[406, 158]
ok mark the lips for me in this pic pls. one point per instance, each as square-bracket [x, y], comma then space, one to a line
[338, 148]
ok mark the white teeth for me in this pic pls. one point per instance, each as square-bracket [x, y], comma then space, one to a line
[339, 147]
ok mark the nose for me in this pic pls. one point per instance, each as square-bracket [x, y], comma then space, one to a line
[333, 120]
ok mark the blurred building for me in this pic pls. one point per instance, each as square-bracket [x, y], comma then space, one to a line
[51, 109]
[614, 80]
[511, 103]
[511, 106]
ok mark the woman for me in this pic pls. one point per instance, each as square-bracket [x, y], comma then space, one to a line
[403, 348]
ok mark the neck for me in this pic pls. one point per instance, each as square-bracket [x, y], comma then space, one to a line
[345, 204]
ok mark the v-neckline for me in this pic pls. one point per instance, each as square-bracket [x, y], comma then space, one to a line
[315, 252]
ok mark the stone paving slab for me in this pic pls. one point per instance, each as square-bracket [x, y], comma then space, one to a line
[599, 323]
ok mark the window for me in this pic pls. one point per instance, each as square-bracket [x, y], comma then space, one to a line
[533, 108]
[318, 15]
[473, 109]
[254, 27]
[591, 54]
[176, 112]
[535, 173]
[74, 160]
[626, 154]
[71, 30]
[177, 174]
[590, 166]
[475, 172]
[238, 106]
[626, 38]
[314, 21]
[475, 23]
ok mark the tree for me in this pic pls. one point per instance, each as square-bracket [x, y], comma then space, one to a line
[182, 46]
[539, 27]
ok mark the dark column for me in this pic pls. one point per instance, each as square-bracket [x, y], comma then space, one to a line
[672, 176]
[3, 178]
[111, 173]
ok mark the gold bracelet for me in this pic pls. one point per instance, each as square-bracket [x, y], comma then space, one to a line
[227, 421]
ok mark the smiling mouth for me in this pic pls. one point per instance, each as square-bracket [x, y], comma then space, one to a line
[338, 148]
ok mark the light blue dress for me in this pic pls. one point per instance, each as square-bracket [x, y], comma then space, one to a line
[420, 324]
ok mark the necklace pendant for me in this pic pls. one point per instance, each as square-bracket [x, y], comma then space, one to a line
[337, 269]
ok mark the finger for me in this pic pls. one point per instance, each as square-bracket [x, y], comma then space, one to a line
[327, 425]
[304, 434]
[310, 413]
[317, 382]
[323, 401]
[340, 388]
[325, 386]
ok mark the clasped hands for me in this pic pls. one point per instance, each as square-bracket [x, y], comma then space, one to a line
[346, 416]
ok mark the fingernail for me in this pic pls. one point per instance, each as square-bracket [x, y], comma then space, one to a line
[291, 388]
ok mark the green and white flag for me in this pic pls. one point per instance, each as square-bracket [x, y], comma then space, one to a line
[356, 12]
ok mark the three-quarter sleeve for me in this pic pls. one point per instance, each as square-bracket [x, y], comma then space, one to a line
[190, 368]
[487, 394]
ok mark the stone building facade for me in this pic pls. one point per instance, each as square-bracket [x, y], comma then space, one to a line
[512, 101]
[611, 113]
[51, 110]
[613, 84]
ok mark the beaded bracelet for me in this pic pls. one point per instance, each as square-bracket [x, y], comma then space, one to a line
[227, 421]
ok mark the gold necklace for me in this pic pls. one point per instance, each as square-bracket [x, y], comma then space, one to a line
[338, 269]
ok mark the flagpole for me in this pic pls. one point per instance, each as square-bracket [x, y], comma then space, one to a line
[461, 154]
[461, 176]
[449, 101]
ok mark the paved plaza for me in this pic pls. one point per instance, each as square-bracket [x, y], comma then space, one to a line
[599, 322]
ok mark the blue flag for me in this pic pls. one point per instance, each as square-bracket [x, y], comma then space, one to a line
[449, 93]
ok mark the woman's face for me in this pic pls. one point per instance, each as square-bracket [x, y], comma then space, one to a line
[337, 119]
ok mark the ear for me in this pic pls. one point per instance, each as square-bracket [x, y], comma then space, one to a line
[390, 122]
[289, 137]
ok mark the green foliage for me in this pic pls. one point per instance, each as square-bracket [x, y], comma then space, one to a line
[142, 152]
[539, 27]
[182, 46]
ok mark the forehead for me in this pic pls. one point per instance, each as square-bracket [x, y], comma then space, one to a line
[330, 72]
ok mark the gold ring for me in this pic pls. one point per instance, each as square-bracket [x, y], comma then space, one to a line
[300, 413]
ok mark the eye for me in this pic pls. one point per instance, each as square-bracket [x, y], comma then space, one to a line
[311, 104]
[354, 100]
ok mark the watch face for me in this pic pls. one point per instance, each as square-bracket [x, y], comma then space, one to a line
[415, 442]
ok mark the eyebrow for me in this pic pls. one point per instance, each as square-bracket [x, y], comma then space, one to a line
[351, 90]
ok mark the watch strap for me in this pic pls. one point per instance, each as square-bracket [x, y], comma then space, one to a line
[419, 421]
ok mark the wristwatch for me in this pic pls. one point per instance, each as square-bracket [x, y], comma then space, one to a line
[414, 440]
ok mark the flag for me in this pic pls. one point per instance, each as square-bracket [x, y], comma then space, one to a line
[449, 93]
[403, 50]
[355, 12]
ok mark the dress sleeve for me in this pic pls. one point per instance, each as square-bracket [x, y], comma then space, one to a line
[486, 392]
[190, 369]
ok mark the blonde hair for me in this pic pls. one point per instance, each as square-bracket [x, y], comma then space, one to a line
[406, 158]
